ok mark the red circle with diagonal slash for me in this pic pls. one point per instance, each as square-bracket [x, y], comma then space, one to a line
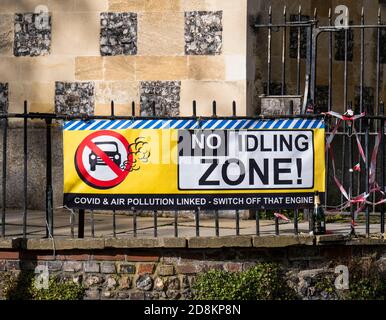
[120, 173]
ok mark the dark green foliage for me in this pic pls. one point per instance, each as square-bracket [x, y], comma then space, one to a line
[265, 281]
[22, 287]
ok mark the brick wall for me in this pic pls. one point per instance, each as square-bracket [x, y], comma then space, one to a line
[167, 268]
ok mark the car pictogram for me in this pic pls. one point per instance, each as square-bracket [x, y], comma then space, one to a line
[110, 148]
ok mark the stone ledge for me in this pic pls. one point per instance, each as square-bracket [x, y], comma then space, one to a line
[281, 241]
[184, 243]
[220, 242]
[119, 243]
[63, 244]
[329, 238]
[174, 242]
[10, 243]
[365, 242]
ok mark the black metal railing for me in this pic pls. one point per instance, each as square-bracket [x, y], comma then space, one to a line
[362, 125]
[306, 36]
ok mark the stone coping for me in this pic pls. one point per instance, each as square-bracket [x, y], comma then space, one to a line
[186, 243]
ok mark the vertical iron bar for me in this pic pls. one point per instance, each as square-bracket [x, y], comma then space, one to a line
[362, 71]
[237, 222]
[367, 186]
[234, 114]
[155, 224]
[216, 223]
[25, 181]
[257, 223]
[194, 108]
[197, 218]
[377, 89]
[277, 231]
[133, 108]
[298, 66]
[345, 75]
[114, 224]
[49, 198]
[134, 222]
[269, 51]
[283, 54]
[92, 224]
[155, 213]
[296, 225]
[214, 109]
[112, 109]
[362, 77]
[81, 224]
[330, 62]
[351, 175]
[4, 177]
[345, 95]
[72, 224]
[383, 182]
[329, 107]
[176, 223]
[312, 56]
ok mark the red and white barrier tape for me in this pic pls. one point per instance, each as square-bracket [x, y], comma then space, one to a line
[374, 187]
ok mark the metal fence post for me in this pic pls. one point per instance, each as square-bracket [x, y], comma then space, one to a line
[49, 193]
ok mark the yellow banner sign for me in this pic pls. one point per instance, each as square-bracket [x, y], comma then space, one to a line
[186, 164]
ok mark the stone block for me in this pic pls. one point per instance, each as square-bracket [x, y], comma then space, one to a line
[137, 295]
[56, 266]
[32, 34]
[124, 282]
[89, 68]
[144, 282]
[118, 33]
[63, 244]
[205, 92]
[92, 294]
[166, 270]
[220, 242]
[165, 95]
[75, 98]
[162, 68]
[108, 267]
[233, 267]
[76, 34]
[90, 5]
[161, 34]
[330, 238]
[45, 69]
[13, 265]
[127, 5]
[206, 68]
[280, 241]
[203, 32]
[91, 267]
[3, 265]
[187, 268]
[173, 242]
[72, 266]
[131, 243]
[126, 268]
[8, 243]
[234, 32]
[8, 6]
[162, 5]
[119, 68]
[146, 268]
[6, 34]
